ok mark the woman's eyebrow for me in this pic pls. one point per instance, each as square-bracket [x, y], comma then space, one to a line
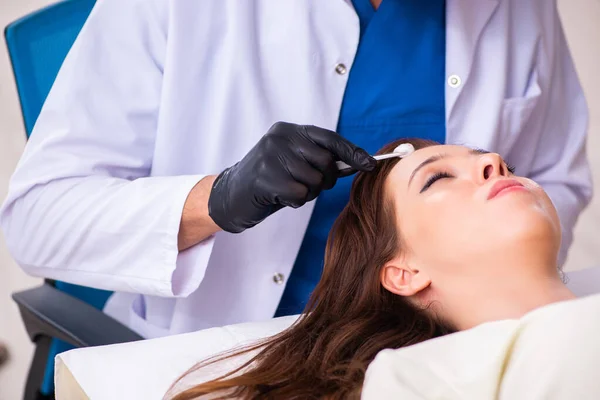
[430, 160]
[476, 151]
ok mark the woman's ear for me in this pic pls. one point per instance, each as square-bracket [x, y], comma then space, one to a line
[398, 278]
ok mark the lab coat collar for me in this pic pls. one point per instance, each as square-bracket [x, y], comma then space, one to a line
[465, 20]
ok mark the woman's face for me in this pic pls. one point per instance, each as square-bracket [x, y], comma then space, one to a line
[456, 208]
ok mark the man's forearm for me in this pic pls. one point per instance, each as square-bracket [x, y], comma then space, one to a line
[196, 225]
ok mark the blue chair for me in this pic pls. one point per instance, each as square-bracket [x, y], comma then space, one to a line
[37, 45]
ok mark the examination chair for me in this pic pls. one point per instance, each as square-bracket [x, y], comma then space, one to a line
[57, 316]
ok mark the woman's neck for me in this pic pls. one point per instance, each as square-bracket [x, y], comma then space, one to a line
[506, 288]
[511, 299]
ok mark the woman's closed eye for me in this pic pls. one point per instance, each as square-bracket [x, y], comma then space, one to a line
[434, 178]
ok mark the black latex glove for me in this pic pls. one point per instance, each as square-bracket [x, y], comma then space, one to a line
[288, 167]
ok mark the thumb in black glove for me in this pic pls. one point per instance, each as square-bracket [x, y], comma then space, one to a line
[288, 167]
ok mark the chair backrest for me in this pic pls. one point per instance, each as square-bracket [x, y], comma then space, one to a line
[37, 44]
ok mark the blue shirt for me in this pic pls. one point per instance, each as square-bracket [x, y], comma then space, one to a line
[395, 89]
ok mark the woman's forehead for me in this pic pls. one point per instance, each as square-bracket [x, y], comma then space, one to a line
[404, 169]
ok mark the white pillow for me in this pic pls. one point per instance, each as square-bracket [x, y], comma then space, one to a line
[147, 369]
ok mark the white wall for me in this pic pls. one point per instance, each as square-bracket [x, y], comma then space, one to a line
[12, 140]
[582, 23]
[581, 19]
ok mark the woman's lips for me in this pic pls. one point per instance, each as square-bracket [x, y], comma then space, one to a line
[505, 185]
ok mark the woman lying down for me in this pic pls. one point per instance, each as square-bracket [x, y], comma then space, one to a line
[443, 242]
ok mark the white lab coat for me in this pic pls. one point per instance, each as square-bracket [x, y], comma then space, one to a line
[156, 94]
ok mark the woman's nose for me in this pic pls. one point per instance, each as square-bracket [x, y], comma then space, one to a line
[491, 166]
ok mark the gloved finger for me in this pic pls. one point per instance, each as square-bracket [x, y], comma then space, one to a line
[340, 147]
[306, 174]
[330, 176]
[285, 191]
[323, 161]
[293, 195]
[276, 207]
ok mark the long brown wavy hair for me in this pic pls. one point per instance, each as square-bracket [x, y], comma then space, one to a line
[349, 318]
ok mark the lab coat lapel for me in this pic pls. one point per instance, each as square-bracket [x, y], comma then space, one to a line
[465, 20]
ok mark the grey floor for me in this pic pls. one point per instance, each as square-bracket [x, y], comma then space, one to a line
[582, 24]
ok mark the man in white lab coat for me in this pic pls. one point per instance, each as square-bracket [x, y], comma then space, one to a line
[149, 172]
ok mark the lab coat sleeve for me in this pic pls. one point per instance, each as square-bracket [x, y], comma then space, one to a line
[82, 207]
[560, 163]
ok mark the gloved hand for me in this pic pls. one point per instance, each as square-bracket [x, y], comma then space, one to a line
[288, 167]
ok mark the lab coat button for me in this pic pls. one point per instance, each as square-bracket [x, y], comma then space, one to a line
[278, 278]
[341, 69]
[454, 81]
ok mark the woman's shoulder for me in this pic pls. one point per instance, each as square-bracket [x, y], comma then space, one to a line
[463, 365]
[565, 314]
